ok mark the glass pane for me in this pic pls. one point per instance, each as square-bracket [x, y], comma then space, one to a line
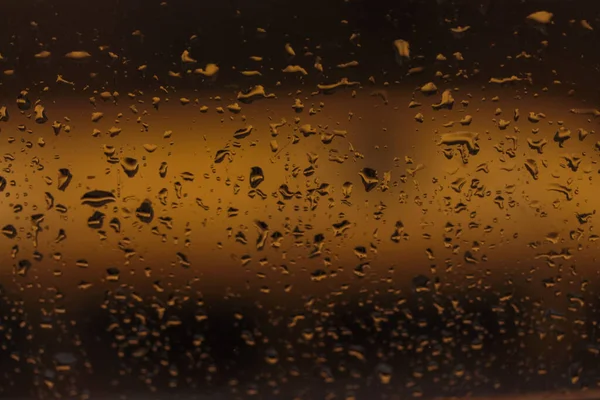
[273, 199]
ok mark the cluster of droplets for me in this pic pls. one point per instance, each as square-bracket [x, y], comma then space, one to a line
[424, 277]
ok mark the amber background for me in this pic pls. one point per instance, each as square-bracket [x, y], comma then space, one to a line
[196, 138]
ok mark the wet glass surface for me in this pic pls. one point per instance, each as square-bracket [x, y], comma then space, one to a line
[341, 199]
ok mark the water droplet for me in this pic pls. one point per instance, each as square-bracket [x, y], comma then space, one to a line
[97, 198]
[256, 177]
[369, 178]
[9, 231]
[64, 178]
[130, 166]
[145, 212]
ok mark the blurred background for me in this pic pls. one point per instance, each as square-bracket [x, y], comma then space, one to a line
[301, 200]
